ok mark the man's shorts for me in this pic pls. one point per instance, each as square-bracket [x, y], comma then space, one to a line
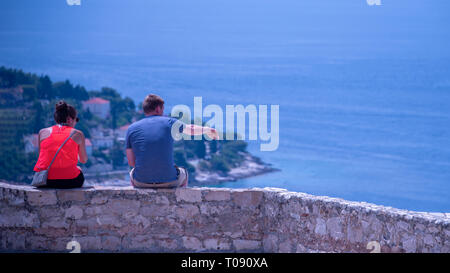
[182, 179]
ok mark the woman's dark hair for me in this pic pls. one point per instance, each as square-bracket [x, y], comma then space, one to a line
[63, 111]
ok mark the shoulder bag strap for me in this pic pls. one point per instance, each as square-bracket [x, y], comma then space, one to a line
[71, 134]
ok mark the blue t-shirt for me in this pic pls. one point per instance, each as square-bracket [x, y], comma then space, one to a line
[152, 144]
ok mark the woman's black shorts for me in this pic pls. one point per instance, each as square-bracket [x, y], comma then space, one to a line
[76, 182]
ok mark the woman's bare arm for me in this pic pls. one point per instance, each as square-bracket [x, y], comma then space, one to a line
[79, 138]
[43, 134]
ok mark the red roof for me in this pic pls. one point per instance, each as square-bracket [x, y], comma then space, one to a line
[96, 101]
[124, 128]
[87, 142]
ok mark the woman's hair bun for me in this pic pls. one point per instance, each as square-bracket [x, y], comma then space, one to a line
[61, 106]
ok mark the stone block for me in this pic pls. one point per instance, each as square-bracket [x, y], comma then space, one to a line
[285, 247]
[188, 195]
[247, 198]
[192, 243]
[13, 217]
[100, 199]
[334, 228]
[409, 245]
[89, 243]
[74, 212]
[246, 245]
[186, 212]
[218, 196]
[169, 245]
[71, 195]
[270, 243]
[41, 197]
[217, 244]
[321, 227]
[122, 206]
[111, 243]
[156, 210]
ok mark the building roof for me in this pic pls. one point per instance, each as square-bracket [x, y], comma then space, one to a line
[96, 101]
[124, 128]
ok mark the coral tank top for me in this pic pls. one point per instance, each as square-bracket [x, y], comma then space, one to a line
[65, 164]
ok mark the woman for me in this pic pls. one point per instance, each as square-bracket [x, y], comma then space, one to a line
[64, 173]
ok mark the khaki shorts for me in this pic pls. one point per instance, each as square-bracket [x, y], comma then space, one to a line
[182, 179]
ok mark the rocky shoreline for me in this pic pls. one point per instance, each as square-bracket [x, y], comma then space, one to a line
[251, 166]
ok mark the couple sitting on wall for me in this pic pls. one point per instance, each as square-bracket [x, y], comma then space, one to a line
[149, 148]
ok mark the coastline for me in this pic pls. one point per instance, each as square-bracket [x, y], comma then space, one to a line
[250, 167]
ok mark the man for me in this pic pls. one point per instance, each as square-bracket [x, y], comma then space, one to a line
[149, 144]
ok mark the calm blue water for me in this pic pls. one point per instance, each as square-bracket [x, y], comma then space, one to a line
[364, 92]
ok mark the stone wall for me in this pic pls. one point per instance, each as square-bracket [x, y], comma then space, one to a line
[106, 219]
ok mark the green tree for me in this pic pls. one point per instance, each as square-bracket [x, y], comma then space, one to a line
[39, 117]
[117, 154]
[45, 88]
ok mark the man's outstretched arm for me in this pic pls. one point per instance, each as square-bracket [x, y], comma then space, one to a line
[194, 130]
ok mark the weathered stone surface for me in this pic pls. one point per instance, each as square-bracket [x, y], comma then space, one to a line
[169, 244]
[162, 200]
[41, 197]
[188, 195]
[247, 198]
[89, 243]
[108, 220]
[216, 244]
[321, 227]
[123, 206]
[187, 211]
[285, 247]
[12, 217]
[71, 195]
[14, 197]
[218, 196]
[192, 243]
[156, 210]
[74, 212]
[141, 242]
[202, 219]
[334, 228]
[246, 244]
[270, 243]
[99, 200]
[56, 223]
[409, 245]
[111, 243]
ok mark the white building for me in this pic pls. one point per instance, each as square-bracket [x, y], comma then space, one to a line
[102, 138]
[88, 146]
[31, 143]
[121, 132]
[98, 106]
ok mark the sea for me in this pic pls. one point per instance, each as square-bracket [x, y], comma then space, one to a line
[363, 90]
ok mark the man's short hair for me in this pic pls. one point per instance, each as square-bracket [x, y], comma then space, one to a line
[151, 102]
